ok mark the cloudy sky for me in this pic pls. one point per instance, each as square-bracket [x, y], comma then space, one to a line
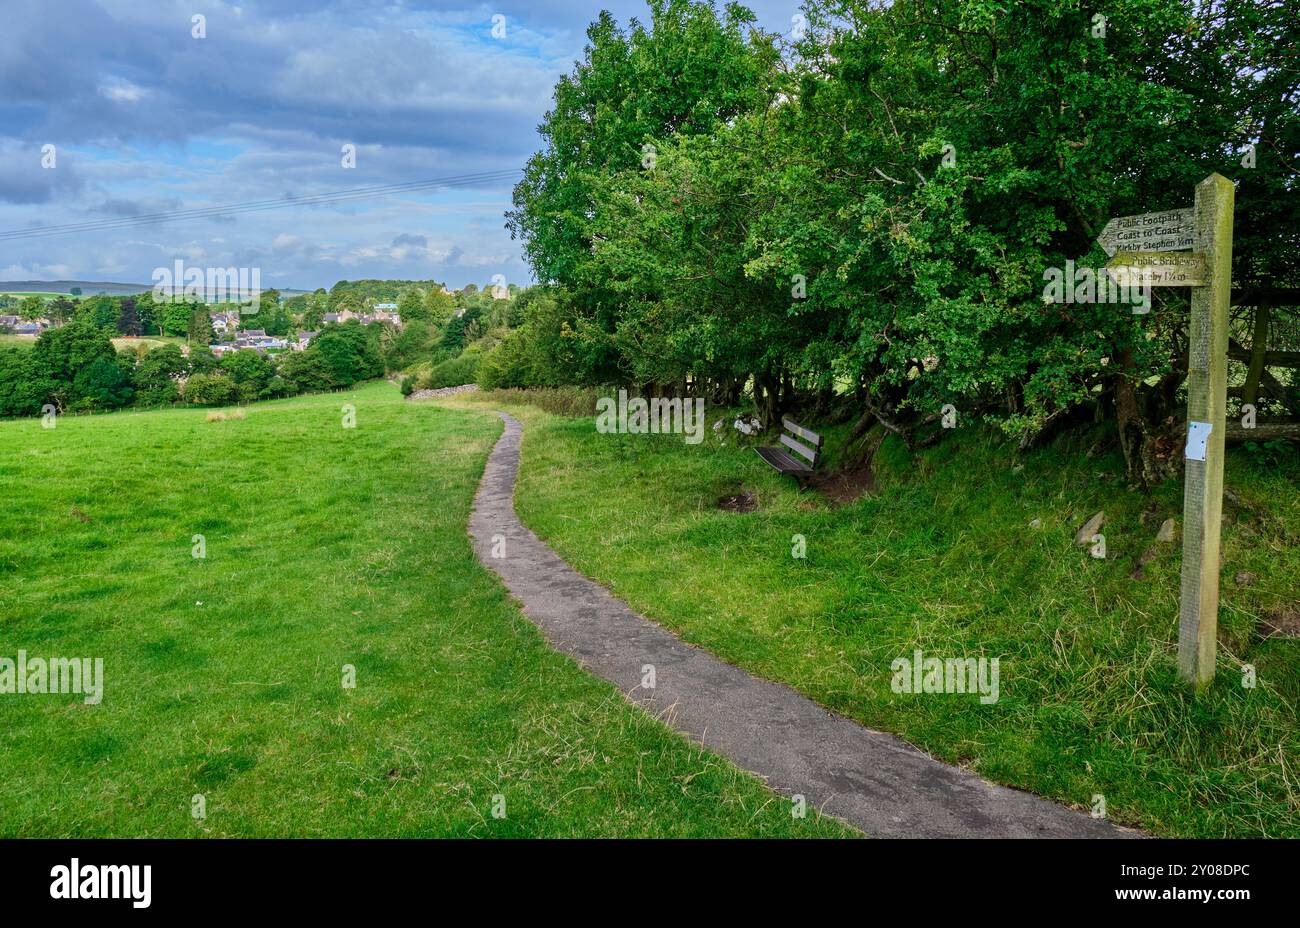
[145, 118]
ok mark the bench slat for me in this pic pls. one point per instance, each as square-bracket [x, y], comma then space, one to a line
[807, 452]
[795, 428]
[782, 461]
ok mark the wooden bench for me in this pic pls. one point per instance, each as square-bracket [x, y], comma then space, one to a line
[801, 467]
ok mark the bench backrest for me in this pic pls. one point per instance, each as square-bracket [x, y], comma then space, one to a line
[807, 451]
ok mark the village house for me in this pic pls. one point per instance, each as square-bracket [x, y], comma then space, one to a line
[225, 322]
[303, 340]
[20, 326]
[365, 318]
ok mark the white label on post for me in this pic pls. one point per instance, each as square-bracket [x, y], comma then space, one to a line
[1198, 437]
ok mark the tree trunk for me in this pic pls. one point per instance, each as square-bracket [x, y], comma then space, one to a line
[767, 398]
[1147, 458]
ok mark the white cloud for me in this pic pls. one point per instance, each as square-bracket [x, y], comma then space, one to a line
[120, 90]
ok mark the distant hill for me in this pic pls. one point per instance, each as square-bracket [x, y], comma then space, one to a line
[90, 287]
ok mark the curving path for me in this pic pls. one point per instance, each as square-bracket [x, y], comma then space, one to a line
[872, 780]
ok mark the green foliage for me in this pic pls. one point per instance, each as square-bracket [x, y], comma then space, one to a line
[31, 307]
[157, 375]
[873, 215]
[414, 342]
[211, 390]
[307, 372]
[454, 373]
[24, 386]
[354, 294]
[103, 384]
[251, 372]
[128, 320]
[350, 352]
[61, 355]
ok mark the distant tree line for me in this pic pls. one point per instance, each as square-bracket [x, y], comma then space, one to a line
[76, 368]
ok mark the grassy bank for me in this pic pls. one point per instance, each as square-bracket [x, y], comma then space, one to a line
[325, 547]
[943, 557]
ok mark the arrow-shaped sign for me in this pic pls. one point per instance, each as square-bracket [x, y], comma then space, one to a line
[1172, 230]
[1158, 269]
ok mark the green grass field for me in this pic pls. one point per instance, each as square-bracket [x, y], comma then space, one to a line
[325, 547]
[943, 558]
[147, 342]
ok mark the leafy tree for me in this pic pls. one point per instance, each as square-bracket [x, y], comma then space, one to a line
[128, 321]
[690, 71]
[31, 307]
[157, 376]
[60, 310]
[24, 386]
[307, 372]
[211, 390]
[202, 360]
[411, 306]
[61, 354]
[350, 353]
[174, 317]
[251, 372]
[199, 329]
[103, 384]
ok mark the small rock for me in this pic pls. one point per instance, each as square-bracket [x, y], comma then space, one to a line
[1090, 528]
[1246, 578]
[1167, 530]
[1036, 523]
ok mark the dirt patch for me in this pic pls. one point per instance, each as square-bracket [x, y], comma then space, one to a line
[845, 487]
[1282, 622]
[744, 501]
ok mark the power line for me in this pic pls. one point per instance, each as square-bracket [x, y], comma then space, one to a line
[320, 199]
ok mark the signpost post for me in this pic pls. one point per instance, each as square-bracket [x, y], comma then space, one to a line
[1150, 255]
[1207, 402]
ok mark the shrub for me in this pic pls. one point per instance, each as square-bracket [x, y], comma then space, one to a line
[575, 402]
[454, 373]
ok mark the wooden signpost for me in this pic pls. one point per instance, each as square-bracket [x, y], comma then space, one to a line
[1207, 406]
[1172, 230]
[1158, 269]
[1152, 244]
